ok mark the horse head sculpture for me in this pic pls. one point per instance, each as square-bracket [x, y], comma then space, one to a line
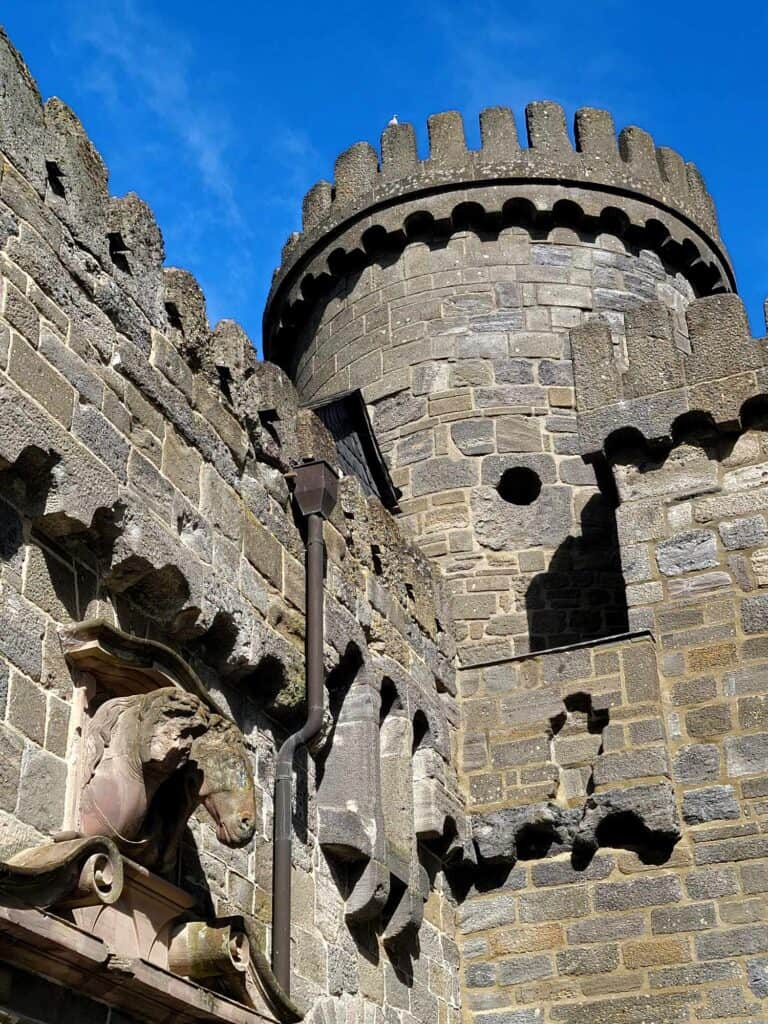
[150, 760]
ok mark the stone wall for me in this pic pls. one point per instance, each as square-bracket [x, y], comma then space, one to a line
[462, 351]
[619, 815]
[142, 462]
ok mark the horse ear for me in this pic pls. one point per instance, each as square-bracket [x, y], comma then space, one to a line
[169, 721]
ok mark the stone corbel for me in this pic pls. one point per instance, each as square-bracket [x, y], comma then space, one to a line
[228, 950]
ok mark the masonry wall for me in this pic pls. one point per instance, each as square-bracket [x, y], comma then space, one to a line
[139, 484]
[667, 920]
[462, 350]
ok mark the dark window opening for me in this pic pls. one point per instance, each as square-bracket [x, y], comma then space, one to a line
[174, 317]
[55, 178]
[118, 251]
[390, 700]
[225, 382]
[420, 730]
[378, 564]
[268, 418]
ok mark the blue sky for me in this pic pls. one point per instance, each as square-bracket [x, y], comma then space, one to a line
[222, 115]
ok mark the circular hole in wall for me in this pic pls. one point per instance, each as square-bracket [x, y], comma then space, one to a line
[519, 485]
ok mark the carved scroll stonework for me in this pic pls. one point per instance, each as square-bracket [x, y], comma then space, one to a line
[148, 747]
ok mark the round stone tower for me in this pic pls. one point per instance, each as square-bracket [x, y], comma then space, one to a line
[446, 290]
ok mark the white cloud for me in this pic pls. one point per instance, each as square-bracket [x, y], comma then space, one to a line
[137, 56]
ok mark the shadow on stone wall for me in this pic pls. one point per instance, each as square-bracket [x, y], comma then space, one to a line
[582, 595]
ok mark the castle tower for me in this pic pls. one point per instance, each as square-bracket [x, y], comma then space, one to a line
[447, 289]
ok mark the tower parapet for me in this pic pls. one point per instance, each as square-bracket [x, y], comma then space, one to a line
[623, 184]
[713, 370]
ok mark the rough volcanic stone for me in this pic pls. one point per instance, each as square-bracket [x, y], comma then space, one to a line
[743, 533]
[754, 614]
[747, 755]
[757, 974]
[712, 804]
[499, 834]
[697, 763]
[473, 437]
[651, 809]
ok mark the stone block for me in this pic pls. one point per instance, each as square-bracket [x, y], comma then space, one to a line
[10, 767]
[99, 436]
[27, 708]
[753, 713]
[595, 960]
[687, 552]
[711, 883]
[652, 810]
[696, 918]
[606, 929]
[696, 763]
[42, 790]
[754, 878]
[442, 474]
[554, 904]
[263, 551]
[473, 606]
[641, 678]
[759, 563]
[730, 942]
[709, 721]
[655, 952]
[473, 437]
[519, 969]
[743, 533]
[640, 892]
[635, 764]
[712, 804]
[564, 295]
[22, 629]
[481, 914]
[34, 375]
[746, 755]
[757, 975]
[21, 314]
[518, 434]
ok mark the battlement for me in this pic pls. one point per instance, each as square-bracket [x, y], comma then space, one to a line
[629, 161]
[600, 175]
[710, 370]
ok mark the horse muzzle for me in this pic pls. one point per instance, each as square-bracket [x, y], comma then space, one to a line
[236, 833]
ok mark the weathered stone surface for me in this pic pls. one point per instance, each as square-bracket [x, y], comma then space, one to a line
[473, 437]
[712, 804]
[697, 763]
[646, 811]
[743, 533]
[144, 461]
[687, 552]
[745, 755]
[499, 833]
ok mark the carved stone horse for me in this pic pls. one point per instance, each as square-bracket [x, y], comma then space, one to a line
[150, 760]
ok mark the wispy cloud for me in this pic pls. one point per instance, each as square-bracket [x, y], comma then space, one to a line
[503, 53]
[139, 57]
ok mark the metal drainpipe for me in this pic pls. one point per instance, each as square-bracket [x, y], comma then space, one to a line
[315, 492]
